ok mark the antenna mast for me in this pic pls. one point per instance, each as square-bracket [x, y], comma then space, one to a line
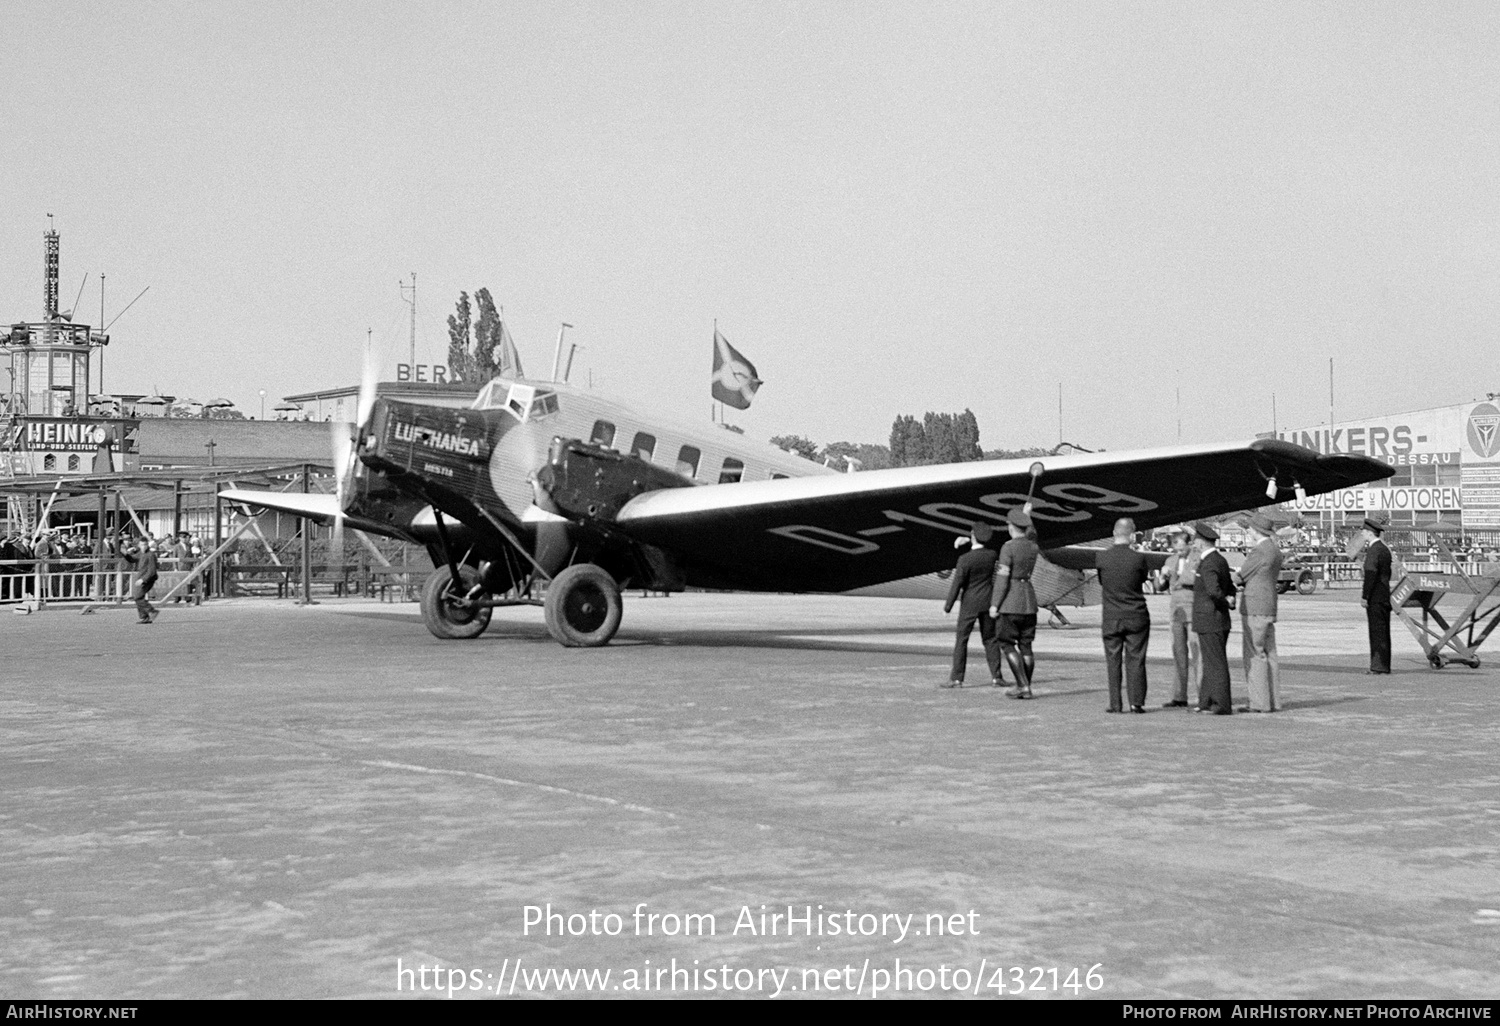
[50, 280]
[413, 301]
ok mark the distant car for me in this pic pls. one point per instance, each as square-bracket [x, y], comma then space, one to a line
[1295, 573]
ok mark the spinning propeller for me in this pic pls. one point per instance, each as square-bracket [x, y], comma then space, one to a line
[345, 442]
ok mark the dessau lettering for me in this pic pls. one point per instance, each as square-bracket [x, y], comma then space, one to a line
[444, 441]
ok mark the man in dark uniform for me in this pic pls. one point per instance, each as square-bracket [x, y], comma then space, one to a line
[1376, 595]
[1015, 602]
[974, 580]
[1126, 623]
[1213, 598]
[143, 559]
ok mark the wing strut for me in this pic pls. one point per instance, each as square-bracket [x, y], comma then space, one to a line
[515, 542]
[442, 530]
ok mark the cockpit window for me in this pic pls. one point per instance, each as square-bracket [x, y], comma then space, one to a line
[687, 461]
[644, 446]
[733, 472]
[603, 433]
[778, 477]
[525, 402]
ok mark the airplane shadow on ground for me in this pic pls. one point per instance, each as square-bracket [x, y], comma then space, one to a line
[1318, 703]
[828, 640]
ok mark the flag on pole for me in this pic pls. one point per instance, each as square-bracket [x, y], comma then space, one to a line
[510, 359]
[734, 381]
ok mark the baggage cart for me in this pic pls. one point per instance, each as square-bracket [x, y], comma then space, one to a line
[1473, 604]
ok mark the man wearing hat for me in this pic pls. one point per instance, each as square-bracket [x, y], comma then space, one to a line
[1376, 595]
[1126, 622]
[142, 559]
[1258, 577]
[1213, 598]
[1177, 577]
[973, 582]
[1015, 602]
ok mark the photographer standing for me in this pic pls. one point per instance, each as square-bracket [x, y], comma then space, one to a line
[143, 559]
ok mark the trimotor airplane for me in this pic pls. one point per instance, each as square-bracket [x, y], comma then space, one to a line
[543, 483]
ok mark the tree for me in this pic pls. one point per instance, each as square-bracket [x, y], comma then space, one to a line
[838, 454]
[936, 438]
[870, 457]
[873, 457]
[804, 447]
[908, 445]
[486, 337]
[1017, 454]
[966, 435]
[460, 359]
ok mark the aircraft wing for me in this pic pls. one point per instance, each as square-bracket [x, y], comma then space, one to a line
[835, 533]
[318, 507]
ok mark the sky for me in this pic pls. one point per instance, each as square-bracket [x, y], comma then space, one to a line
[889, 208]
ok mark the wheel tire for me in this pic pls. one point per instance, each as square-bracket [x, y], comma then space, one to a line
[444, 620]
[583, 607]
[1306, 583]
[1282, 588]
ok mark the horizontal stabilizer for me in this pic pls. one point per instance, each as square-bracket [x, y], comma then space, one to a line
[314, 506]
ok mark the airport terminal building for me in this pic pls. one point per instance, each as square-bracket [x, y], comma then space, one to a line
[1447, 464]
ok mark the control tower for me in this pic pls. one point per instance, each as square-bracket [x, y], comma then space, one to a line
[48, 360]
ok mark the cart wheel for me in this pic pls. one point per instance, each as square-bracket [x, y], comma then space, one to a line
[1473, 664]
[1436, 661]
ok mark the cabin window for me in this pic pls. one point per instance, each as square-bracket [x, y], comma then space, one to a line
[603, 433]
[733, 471]
[687, 461]
[644, 446]
[73, 462]
[777, 477]
[49, 462]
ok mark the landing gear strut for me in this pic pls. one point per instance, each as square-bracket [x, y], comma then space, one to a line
[444, 610]
[583, 606]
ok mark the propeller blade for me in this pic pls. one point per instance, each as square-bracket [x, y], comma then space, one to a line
[369, 375]
[342, 444]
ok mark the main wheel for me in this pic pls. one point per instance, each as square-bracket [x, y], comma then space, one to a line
[446, 619]
[1306, 583]
[583, 606]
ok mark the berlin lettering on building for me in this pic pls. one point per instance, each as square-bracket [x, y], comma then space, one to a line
[434, 373]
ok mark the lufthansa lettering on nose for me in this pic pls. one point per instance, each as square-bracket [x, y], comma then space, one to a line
[444, 441]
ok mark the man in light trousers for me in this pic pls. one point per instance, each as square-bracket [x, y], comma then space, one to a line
[1177, 578]
[1258, 577]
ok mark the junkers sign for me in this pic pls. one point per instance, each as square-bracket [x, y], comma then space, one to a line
[1483, 438]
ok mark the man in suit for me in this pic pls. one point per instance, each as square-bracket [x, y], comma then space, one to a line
[143, 560]
[972, 587]
[1376, 596]
[1258, 577]
[1015, 601]
[1213, 598]
[1126, 622]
